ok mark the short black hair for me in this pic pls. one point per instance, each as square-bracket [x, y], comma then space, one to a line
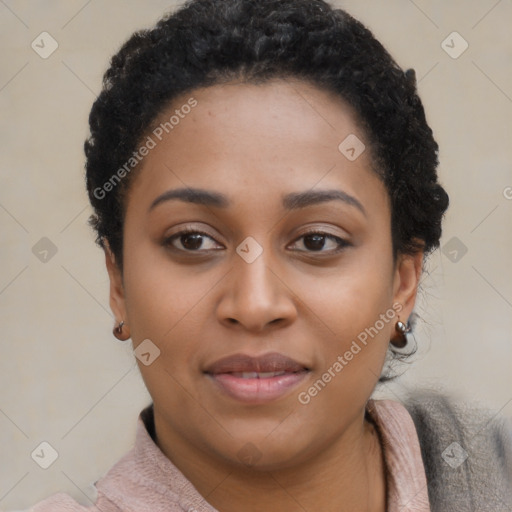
[210, 42]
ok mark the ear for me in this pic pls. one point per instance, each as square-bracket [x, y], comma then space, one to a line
[406, 281]
[117, 298]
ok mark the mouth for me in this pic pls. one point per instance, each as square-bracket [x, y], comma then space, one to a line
[256, 380]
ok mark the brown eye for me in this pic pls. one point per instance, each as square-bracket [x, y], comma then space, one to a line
[314, 242]
[321, 242]
[191, 241]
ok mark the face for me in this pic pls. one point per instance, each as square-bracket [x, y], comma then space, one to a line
[258, 261]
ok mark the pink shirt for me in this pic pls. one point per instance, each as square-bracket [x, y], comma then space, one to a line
[145, 480]
[407, 482]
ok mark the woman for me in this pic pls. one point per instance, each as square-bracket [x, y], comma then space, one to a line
[265, 191]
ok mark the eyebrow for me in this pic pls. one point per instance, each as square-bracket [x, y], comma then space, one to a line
[292, 201]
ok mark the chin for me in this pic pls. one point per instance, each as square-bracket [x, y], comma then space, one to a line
[264, 456]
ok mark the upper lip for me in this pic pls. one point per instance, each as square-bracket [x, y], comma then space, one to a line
[272, 362]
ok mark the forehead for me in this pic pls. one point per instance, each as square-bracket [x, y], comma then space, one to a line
[252, 140]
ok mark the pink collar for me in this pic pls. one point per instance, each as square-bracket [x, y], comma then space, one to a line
[146, 480]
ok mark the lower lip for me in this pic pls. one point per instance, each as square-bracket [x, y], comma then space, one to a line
[257, 390]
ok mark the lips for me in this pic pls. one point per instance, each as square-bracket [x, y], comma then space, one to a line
[256, 379]
[268, 363]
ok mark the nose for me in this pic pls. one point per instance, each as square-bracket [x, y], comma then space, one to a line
[255, 297]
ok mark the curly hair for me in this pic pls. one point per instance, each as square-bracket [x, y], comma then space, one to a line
[210, 42]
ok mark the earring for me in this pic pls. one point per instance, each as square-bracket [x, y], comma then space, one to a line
[402, 330]
[118, 332]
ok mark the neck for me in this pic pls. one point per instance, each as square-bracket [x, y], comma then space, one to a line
[349, 476]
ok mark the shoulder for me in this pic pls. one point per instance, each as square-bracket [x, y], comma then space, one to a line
[466, 450]
[62, 502]
[438, 415]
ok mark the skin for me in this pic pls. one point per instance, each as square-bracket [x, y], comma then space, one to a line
[255, 144]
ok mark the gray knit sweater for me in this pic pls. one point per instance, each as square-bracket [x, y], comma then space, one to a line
[467, 453]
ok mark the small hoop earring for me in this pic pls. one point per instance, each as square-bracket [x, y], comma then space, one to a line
[402, 330]
[118, 332]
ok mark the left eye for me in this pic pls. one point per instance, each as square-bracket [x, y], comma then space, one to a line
[317, 242]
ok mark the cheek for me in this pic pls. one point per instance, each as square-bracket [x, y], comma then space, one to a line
[354, 306]
[168, 306]
[159, 295]
[351, 357]
[351, 297]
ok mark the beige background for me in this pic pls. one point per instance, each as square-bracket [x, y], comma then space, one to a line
[65, 380]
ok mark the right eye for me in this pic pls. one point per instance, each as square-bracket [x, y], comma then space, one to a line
[191, 240]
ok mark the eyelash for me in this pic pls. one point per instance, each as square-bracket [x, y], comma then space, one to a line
[342, 244]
